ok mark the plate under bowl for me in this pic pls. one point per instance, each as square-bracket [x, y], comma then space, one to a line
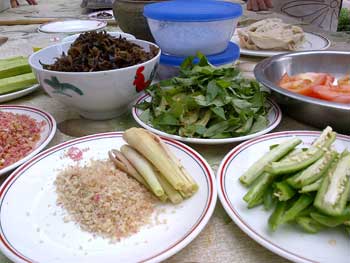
[318, 113]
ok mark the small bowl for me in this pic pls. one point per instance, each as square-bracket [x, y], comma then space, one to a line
[316, 112]
[182, 28]
[72, 38]
[96, 95]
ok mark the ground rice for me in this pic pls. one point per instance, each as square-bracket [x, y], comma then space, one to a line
[19, 134]
[104, 200]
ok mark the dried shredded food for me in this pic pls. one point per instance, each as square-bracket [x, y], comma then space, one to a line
[103, 200]
[19, 134]
[97, 51]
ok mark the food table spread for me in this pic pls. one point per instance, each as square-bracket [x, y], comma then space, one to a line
[221, 240]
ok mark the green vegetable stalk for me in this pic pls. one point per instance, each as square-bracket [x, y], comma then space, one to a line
[276, 217]
[297, 207]
[309, 224]
[332, 196]
[332, 221]
[307, 186]
[283, 191]
[315, 152]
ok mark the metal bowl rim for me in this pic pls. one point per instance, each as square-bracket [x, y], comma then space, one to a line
[259, 75]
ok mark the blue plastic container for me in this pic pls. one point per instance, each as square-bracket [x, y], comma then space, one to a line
[182, 28]
[169, 65]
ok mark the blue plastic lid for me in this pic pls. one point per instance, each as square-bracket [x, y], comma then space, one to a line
[192, 11]
[229, 55]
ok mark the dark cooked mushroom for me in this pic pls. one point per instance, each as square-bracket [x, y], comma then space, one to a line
[97, 51]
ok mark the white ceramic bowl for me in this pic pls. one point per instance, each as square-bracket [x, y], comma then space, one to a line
[95, 95]
[114, 34]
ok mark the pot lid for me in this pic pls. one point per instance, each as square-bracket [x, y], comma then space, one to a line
[192, 11]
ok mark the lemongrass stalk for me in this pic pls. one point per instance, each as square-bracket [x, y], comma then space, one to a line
[192, 185]
[144, 168]
[172, 194]
[150, 147]
[186, 194]
[163, 198]
[122, 163]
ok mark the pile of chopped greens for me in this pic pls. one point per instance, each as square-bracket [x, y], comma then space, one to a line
[206, 102]
[344, 20]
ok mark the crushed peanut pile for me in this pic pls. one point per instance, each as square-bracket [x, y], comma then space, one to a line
[103, 200]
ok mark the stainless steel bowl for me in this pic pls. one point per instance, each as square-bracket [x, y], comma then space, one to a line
[318, 113]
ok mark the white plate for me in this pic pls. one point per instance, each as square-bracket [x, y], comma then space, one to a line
[274, 117]
[72, 26]
[288, 241]
[32, 226]
[114, 34]
[46, 134]
[94, 15]
[313, 41]
[18, 94]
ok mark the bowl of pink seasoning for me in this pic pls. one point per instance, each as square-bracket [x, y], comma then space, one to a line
[24, 132]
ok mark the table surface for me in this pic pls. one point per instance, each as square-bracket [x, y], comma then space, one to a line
[221, 240]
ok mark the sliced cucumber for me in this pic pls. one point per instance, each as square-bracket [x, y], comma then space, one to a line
[16, 83]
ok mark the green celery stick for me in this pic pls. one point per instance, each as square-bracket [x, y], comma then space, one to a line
[8, 60]
[14, 68]
[16, 83]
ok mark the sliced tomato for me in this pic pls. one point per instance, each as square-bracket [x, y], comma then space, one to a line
[301, 86]
[344, 81]
[285, 79]
[302, 83]
[329, 80]
[317, 78]
[332, 93]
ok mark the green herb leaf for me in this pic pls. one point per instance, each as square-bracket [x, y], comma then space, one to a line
[219, 112]
[212, 91]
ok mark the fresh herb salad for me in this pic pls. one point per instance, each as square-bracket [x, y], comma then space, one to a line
[206, 102]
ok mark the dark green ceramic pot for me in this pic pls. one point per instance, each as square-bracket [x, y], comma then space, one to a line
[129, 16]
